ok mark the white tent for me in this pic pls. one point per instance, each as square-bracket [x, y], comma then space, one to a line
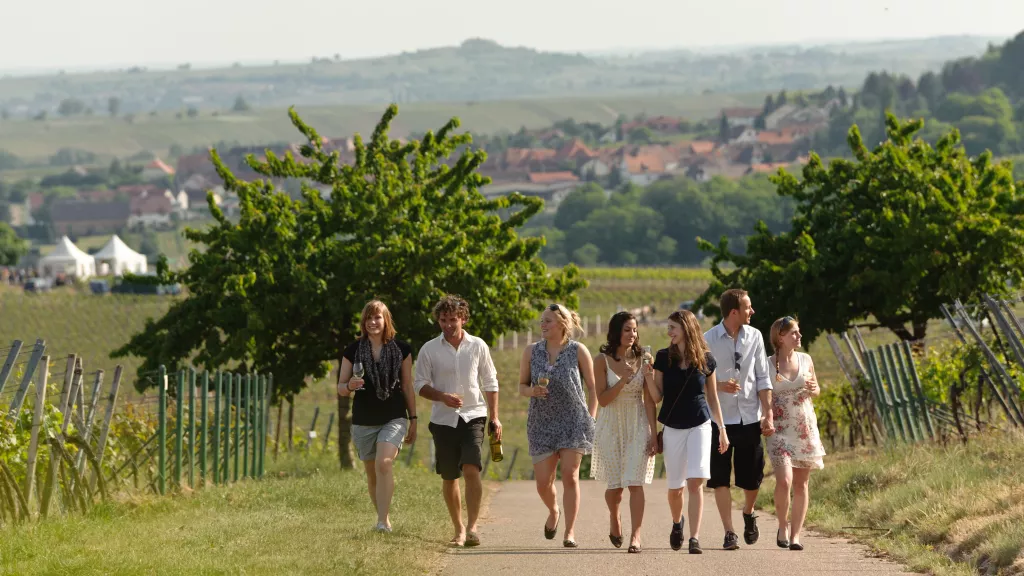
[118, 258]
[68, 259]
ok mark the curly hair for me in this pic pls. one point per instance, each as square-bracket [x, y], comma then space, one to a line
[451, 304]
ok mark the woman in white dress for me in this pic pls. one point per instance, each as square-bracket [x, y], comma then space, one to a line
[624, 446]
[795, 448]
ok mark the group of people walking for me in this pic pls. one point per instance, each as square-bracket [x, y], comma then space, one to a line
[719, 394]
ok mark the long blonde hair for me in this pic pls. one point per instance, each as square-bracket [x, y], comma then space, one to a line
[569, 320]
[695, 349]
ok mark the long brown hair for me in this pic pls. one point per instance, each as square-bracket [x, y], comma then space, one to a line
[614, 338]
[388, 331]
[695, 349]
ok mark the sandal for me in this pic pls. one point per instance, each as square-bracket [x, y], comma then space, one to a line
[635, 549]
[472, 539]
[570, 544]
[617, 540]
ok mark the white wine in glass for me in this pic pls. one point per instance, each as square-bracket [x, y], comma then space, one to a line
[357, 371]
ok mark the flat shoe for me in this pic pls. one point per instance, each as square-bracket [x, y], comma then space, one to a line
[780, 542]
[549, 533]
[472, 539]
[796, 546]
[570, 544]
[616, 540]
[634, 549]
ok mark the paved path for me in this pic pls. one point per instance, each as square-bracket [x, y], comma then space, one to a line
[513, 543]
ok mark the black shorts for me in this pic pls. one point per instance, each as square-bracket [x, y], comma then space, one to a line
[457, 447]
[745, 454]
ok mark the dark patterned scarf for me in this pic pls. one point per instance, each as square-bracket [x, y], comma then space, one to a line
[384, 374]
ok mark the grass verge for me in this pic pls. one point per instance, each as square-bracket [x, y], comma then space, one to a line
[306, 518]
[943, 510]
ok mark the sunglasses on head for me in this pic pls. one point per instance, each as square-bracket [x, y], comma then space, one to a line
[786, 321]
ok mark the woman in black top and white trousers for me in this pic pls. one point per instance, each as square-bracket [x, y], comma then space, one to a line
[384, 405]
[684, 377]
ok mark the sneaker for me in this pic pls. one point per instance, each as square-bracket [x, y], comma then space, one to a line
[695, 546]
[732, 541]
[750, 532]
[675, 539]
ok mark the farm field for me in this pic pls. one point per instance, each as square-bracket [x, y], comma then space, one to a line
[37, 141]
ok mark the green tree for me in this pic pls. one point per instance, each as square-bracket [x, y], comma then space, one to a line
[8, 160]
[113, 106]
[241, 105]
[70, 107]
[640, 135]
[579, 204]
[12, 248]
[888, 236]
[723, 129]
[280, 288]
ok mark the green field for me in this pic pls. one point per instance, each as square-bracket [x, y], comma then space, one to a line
[36, 141]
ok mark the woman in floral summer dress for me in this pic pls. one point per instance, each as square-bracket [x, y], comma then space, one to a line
[625, 444]
[557, 374]
[796, 447]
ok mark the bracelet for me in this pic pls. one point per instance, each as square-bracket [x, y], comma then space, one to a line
[413, 417]
[347, 388]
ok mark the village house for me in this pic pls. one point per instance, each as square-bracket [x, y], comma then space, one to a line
[552, 187]
[84, 218]
[157, 170]
[151, 211]
[741, 116]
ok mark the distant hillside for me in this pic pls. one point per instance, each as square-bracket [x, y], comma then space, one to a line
[982, 95]
[477, 70]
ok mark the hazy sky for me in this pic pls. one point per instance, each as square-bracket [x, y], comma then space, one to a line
[97, 33]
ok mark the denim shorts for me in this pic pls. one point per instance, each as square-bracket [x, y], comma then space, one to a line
[366, 438]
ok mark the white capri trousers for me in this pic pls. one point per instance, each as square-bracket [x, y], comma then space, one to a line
[687, 454]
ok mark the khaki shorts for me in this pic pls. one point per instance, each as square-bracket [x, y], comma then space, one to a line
[366, 438]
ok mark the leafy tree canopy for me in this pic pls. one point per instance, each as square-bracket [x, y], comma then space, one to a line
[890, 235]
[281, 290]
[12, 248]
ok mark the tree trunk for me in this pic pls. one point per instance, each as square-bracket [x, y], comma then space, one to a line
[345, 459]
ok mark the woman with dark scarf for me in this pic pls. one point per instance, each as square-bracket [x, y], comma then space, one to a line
[384, 405]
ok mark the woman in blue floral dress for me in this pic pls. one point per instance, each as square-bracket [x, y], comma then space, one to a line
[557, 374]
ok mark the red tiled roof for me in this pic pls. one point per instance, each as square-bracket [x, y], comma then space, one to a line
[152, 204]
[158, 164]
[779, 137]
[769, 167]
[575, 150]
[702, 146]
[641, 164]
[551, 177]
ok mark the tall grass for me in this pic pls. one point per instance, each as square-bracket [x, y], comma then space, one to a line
[945, 510]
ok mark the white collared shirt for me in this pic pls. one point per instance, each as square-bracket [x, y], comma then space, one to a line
[467, 371]
[743, 407]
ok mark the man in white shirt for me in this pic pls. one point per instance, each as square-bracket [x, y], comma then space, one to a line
[456, 372]
[745, 394]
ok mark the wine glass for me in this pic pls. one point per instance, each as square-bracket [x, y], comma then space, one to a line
[543, 381]
[357, 371]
